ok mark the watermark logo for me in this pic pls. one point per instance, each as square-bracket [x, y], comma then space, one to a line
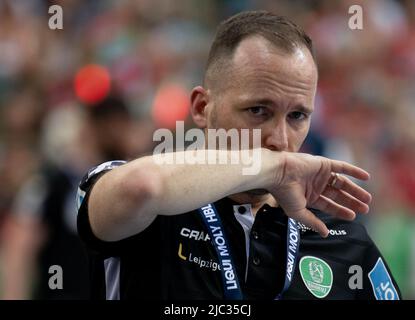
[56, 280]
[56, 20]
[356, 278]
[209, 148]
[356, 20]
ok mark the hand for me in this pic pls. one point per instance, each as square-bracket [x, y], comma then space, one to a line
[307, 181]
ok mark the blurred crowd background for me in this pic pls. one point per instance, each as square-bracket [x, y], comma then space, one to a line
[97, 89]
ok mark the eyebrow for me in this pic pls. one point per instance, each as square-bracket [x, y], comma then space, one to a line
[303, 109]
[298, 107]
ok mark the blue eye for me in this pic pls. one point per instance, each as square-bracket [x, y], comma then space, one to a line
[297, 115]
[258, 110]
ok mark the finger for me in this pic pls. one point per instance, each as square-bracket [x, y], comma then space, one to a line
[345, 200]
[308, 218]
[349, 169]
[353, 189]
[329, 206]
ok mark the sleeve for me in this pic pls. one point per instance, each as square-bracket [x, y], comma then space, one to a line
[83, 225]
[378, 282]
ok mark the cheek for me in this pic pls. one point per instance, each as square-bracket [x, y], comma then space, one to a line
[297, 139]
[211, 116]
[222, 116]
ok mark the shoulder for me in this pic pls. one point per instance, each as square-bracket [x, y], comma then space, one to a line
[350, 229]
[98, 170]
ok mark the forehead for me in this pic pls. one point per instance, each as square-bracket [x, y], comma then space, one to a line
[258, 64]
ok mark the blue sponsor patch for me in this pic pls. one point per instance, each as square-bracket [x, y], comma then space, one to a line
[381, 281]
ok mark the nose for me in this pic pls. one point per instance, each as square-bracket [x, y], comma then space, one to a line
[276, 139]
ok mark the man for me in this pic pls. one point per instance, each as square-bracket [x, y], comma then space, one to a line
[198, 231]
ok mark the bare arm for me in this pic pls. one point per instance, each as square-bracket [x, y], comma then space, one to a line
[126, 200]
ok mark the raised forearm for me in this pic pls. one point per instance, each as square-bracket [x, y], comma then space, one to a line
[126, 200]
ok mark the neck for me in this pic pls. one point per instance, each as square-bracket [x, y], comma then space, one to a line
[255, 199]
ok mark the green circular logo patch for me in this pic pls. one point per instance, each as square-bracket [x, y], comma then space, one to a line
[317, 276]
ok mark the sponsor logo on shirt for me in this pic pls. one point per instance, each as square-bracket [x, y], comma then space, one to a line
[202, 263]
[317, 276]
[194, 234]
[332, 232]
[381, 281]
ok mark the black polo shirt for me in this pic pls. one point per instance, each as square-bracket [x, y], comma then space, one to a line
[174, 258]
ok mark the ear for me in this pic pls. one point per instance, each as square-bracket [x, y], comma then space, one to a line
[199, 100]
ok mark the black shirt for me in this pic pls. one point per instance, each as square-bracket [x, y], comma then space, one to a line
[174, 258]
[48, 198]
